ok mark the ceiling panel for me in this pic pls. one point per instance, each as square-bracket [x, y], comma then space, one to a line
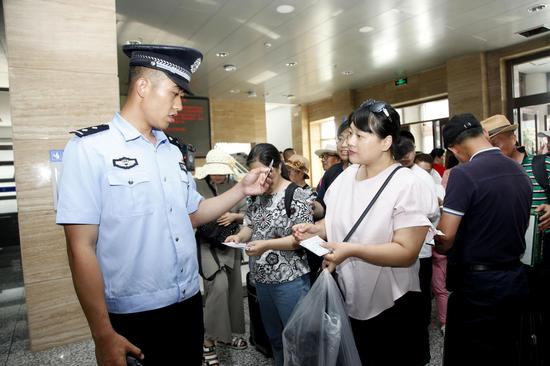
[323, 37]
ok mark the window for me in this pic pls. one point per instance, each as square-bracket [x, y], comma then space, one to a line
[321, 133]
[424, 121]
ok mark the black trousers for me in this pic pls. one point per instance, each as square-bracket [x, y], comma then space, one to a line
[395, 337]
[483, 319]
[425, 276]
[172, 335]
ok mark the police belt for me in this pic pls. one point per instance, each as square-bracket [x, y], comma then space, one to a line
[507, 266]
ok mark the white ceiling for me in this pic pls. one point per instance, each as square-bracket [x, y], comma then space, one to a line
[322, 37]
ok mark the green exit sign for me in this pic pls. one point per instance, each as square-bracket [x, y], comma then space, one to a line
[401, 81]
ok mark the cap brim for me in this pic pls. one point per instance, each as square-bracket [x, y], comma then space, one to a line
[509, 128]
[325, 151]
[543, 134]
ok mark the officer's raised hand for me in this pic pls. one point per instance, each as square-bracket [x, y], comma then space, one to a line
[111, 350]
[256, 182]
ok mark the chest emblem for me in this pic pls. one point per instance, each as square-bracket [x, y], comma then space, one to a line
[125, 163]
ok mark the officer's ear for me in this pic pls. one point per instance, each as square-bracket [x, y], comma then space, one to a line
[142, 86]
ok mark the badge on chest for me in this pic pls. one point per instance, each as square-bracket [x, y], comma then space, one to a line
[125, 163]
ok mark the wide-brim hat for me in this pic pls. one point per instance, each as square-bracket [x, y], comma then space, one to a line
[299, 162]
[178, 63]
[497, 124]
[328, 149]
[217, 163]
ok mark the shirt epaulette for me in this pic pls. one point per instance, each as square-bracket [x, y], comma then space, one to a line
[90, 130]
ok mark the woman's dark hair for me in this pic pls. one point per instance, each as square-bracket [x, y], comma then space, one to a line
[345, 125]
[380, 118]
[450, 160]
[264, 153]
[437, 152]
[426, 158]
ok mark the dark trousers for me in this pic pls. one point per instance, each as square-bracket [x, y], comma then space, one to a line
[483, 319]
[172, 335]
[395, 337]
[425, 276]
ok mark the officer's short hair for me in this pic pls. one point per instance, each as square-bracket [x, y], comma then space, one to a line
[137, 72]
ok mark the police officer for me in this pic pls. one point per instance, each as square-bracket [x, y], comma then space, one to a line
[129, 211]
[485, 215]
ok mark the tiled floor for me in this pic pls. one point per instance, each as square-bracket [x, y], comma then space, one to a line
[14, 341]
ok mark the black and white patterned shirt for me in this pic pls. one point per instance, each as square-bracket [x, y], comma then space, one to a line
[266, 216]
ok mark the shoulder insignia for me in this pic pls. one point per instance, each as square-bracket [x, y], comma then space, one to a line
[90, 130]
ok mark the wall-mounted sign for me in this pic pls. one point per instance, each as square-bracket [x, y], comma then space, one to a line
[192, 124]
[401, 81]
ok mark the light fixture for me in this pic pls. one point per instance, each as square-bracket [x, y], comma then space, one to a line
[291, 64]
[347, 72]
[229, 67]
[366, 29]
[267, 44]
[222, 54]
[251, 94]
[234, 91]
[133, 41]
[288, 96]
[537, 8]
[285, 9]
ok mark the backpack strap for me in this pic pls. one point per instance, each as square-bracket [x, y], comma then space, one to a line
[541, 174]
[289, 195]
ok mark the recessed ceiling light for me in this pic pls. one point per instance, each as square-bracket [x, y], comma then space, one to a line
[267, 44]
[229, 67]
[291, 64]
[536, 8]
[285, 9]
[234, 91]
[288, 96]
[251, 94]
[366, 29]
[347, 72]
[222, 54]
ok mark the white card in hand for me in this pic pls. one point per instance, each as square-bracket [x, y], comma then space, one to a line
[235, 245]
[314, 245]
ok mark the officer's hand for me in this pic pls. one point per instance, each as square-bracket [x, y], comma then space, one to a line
[226, 219]
[256, 182]
[544, 220]
[111, 350]
[256, 248]
[304, 231]
[233, 239]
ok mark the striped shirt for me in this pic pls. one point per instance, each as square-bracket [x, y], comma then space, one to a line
[539, 196]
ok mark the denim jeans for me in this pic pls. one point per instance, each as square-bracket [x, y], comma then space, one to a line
[277, 301]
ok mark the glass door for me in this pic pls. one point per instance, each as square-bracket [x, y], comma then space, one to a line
[533, 120]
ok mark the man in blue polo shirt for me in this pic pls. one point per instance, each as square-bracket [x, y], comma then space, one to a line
[485, 216]
[129, 208]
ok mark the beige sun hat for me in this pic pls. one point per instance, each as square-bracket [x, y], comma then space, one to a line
[497, 124]
[299, 162]
[329, 149]
[218, 163]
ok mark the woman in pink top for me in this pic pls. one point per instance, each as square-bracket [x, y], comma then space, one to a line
[378, 267]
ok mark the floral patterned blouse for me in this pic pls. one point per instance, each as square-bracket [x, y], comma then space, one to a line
[266, 216]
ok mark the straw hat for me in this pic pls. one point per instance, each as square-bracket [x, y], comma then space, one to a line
[497, 124]
[217, 163]
[329, 149]
[299, 162]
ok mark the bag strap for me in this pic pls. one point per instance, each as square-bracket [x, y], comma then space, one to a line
[289, 195]
[371, 203]
[540, 173]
